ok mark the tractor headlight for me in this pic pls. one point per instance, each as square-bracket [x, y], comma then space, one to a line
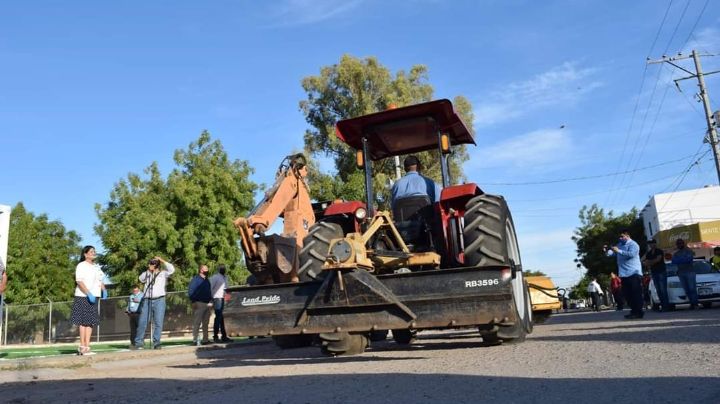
[341, 251]
[360, 213]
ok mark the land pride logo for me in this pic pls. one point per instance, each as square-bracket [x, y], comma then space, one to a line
[260, 300]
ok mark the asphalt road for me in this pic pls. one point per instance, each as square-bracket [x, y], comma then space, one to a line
[575, 357]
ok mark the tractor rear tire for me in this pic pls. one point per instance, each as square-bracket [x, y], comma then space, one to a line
[523, 313]
[315, 249]
[485, 235]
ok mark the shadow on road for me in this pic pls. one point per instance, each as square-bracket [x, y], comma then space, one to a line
[364, 388]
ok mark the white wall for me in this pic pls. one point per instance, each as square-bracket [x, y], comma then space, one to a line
[4, 231]
[666, 211]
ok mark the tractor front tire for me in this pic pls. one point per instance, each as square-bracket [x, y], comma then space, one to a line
[315, 249]
[342, 343]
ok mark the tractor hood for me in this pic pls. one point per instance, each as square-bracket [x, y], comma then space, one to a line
[404, 130]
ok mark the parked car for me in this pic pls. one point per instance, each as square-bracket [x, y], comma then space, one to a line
[708, 286]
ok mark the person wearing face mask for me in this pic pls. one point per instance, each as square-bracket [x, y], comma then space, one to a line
[627, 252]
[200, 295]
[683, 258]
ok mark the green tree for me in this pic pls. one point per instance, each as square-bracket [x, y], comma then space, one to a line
[186, 218]
[534, 273]
[42, 256]
[356, 87]
[598, 229]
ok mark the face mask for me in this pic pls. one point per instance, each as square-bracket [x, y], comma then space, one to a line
[622, 241]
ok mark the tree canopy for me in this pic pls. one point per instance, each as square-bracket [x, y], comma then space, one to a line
[596, 230]
[186, 218]
[42, 256]
[356, 87]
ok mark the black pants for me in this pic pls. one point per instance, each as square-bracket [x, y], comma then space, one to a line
[133, 326]
[595, 300]
[633, 291]
[219, 323]
[619, 299]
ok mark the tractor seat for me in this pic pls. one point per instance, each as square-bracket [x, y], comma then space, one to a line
[413, 218]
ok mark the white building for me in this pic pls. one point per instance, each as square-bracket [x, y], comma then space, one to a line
[666, 211]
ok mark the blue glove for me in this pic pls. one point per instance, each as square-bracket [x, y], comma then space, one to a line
[103, 295]
[91, 298]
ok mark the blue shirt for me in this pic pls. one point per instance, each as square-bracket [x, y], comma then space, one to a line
[683, 258]
[199, 289]
[413, 184]
[134, 302]
[628, 259]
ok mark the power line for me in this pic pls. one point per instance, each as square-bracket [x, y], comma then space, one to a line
[662, 23]
[639, 96]
[697, 20]
[647, 139]
[681, 178]
[587, 177]
[682, 16]
[586, 194]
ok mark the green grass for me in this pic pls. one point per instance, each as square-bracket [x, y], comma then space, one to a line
[58, 350]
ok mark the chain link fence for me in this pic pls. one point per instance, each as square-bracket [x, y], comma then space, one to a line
[48, 323]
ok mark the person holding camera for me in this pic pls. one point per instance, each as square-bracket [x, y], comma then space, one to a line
[627, 252]
[154, 280]
[89, 286]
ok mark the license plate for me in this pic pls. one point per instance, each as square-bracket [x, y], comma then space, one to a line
[704, 291]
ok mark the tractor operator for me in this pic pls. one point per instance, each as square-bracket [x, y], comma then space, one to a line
[413, 183]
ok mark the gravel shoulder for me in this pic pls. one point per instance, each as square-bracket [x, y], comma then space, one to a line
[583, 357]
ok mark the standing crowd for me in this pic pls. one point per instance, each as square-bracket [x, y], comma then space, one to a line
[632, 286]
[146, 305]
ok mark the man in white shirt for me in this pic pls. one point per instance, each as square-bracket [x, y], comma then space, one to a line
[218, 283]
[595, 292]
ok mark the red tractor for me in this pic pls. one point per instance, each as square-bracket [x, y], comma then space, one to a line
[426, 265]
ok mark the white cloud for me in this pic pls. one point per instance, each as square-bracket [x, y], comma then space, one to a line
[705, 40]
[562, 85]
[531, 149]
[302, 12]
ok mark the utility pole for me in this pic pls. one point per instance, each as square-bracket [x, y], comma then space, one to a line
[712, 136]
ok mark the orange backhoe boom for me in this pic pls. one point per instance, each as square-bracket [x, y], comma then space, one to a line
[289, 197]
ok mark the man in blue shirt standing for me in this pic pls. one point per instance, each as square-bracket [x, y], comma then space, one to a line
[200, 294]
[413, 183]
[683, 258]
[627, 252]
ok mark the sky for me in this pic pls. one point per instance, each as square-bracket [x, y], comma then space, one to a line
[563, 98]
